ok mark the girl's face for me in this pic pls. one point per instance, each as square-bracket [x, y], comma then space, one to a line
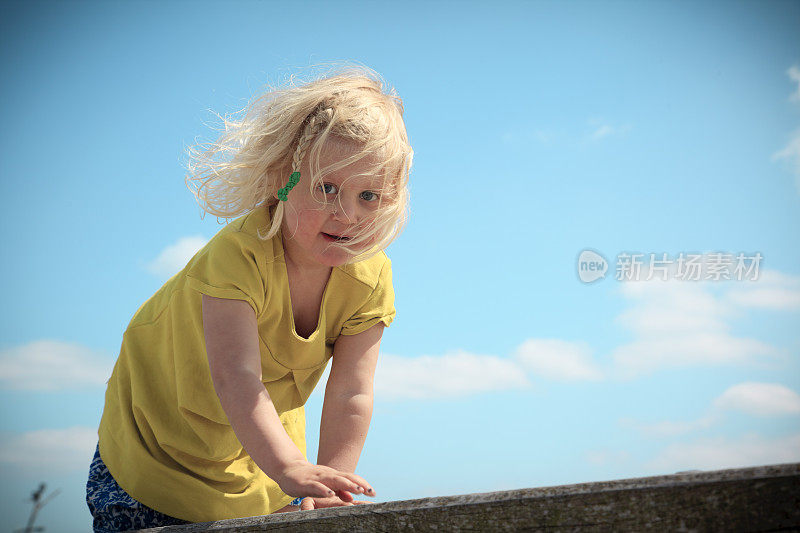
[306, 221]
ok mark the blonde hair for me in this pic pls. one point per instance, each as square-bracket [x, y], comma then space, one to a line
[254, 156]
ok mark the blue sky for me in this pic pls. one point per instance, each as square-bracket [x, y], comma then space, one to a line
[540, 129]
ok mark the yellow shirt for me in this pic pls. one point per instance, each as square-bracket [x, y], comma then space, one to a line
[164, 435]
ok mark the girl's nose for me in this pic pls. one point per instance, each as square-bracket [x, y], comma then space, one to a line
[345, 209]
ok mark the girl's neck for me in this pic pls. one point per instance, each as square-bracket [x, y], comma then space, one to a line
[303, 271]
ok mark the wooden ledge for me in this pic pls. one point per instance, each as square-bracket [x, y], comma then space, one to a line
[763, 498]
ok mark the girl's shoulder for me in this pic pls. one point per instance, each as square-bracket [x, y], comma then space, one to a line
[370, 271]
[246, 232]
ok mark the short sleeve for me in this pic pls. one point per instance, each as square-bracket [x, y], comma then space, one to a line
[228, 267]
[379, 307]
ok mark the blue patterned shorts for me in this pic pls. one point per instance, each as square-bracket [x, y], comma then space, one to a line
[113, 509]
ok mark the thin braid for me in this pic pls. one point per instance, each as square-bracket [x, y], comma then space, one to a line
[312, 127]
[309, 132]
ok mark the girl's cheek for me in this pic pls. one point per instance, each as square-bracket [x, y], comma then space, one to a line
[369, 243]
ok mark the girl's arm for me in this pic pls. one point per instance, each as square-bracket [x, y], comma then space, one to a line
[234, 358]
[347, 409]
[231, 334]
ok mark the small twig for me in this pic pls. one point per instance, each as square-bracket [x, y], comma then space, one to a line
[35, 497]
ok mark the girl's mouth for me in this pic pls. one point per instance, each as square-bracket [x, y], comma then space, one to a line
[334, 238]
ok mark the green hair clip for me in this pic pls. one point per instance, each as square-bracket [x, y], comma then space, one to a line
[293, 180]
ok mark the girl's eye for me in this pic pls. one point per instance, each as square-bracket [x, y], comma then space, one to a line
[374, 197]
[369, 196]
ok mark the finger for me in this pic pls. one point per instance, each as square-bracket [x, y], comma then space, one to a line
[359, 502]
[333, 503]
[355, 478]
[343, 483]
[344, 495]
[307, 504]
[361, 482]
[322, 503]
[321, 490]
[336, 485]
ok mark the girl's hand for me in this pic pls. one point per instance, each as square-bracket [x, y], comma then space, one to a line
[342, 498]
[301, 478]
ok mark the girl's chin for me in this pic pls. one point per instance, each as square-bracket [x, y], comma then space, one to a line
[336, 256]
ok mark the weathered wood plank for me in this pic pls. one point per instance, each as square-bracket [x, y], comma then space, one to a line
[764, 498]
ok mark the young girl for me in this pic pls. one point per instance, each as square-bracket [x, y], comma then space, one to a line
[203, 417]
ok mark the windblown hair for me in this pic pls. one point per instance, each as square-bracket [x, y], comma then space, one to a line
[254, 157]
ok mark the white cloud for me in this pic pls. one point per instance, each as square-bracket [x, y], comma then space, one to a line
[768, 298]
[791, 153]
[714, 453]
[601, 130]
[598, 130]
[175, 256]
[794, 74]
[669, 307]
[453, 374]
[559, 360]
[718, 453]
[682, 324]
[461, 373]
[675, 324]
[47, 365]
[760, 399]
[49, 451]
[688, 350]
[776, 277]
[772, 290]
